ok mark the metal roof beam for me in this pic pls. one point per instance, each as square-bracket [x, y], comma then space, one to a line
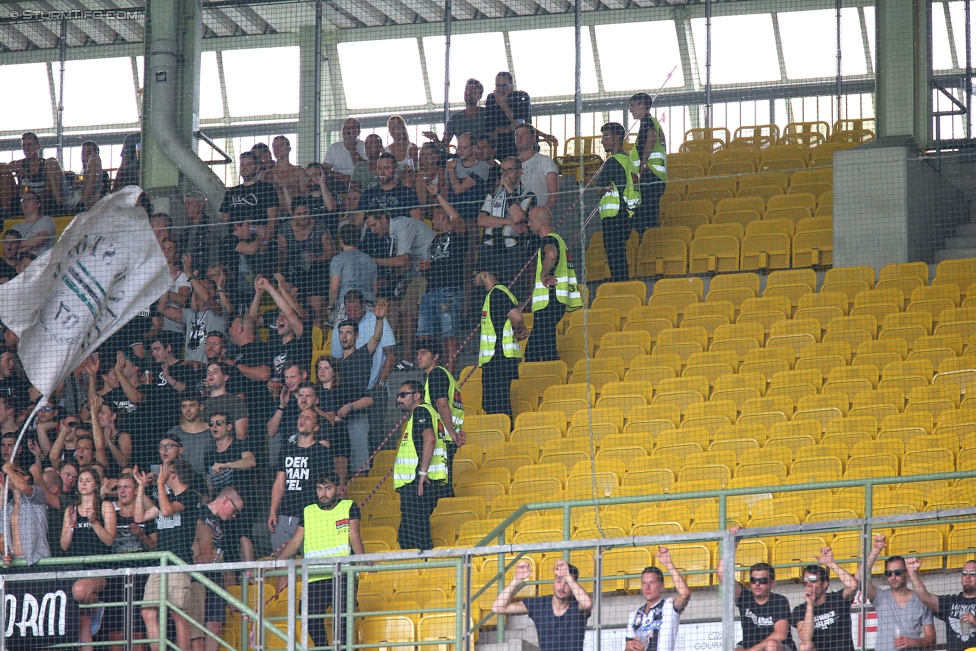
[396, 10]
[247, 19]
[12, 38]
[218, 22]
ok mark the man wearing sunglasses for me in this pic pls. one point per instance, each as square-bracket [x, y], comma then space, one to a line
[765, 615]
[824, 621]
[904, 621]
[958, 611]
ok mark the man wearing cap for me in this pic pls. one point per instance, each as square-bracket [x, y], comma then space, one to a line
[499, 354]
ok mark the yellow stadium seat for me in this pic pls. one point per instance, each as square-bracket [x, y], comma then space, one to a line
[797, 552]
[714, 249]
[917, 540]
[767, 244]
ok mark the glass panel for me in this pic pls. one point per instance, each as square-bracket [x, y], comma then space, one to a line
[810, 43]
[957, 14]
[941, 53]
[398, 82]
[473, 56]
[211, 105]
[852, 45]
[557, 76]
[141, 69]
[262, 81]
[115, 101]
[616, 47]
[32, 110]
[743, 49]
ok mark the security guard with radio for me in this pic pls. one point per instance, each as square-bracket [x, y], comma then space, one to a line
[499, 353]
[328, 528]
[420, 473]
[618, 182]
[556, 290]
[650, 160]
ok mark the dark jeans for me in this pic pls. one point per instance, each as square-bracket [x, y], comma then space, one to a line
[496, 382]
[542, 340]
[646, 214]
[415, 512]
[616, 230]
[320, 599]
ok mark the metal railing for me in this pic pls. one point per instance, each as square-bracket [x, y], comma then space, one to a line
[289, 628]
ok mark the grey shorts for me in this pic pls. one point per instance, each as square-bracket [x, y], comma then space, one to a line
[284, 530]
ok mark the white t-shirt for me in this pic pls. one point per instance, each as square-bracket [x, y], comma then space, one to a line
[340, 159]
[657, 629]
[411, 236]
[534, 172]
[175, 326]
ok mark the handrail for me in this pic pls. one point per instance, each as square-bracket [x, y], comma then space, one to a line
[721, 494]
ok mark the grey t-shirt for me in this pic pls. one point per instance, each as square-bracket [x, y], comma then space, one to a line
[356, 270]
[197, 324]
[892, 618]
[195, 446]
[459, 123]
[32, 523]
[28, 230]
[411, 236]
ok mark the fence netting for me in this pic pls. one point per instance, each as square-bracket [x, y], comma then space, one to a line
[446, 282]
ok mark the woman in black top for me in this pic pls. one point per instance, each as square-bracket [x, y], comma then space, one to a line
[332, 430]
[88, 530]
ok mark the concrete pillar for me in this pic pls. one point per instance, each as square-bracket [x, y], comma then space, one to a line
[159, 176]
[308, 112]
[904, 99]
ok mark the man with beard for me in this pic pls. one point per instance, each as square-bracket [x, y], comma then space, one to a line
[253, 200]
[333, 530]
[560, 621]
[283, 425]
[903, 619]
[824, 621]
[956, 610]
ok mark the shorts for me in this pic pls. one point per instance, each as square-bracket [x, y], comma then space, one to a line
[411, 293]
[195, 608]
[440, 309]
[284, 530]
[215, 609]
[178, 588]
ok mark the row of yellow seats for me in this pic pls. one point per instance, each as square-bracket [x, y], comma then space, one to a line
[766, 186]
[743, 211]
[770, 134]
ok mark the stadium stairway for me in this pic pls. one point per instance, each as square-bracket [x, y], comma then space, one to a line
[961, 245]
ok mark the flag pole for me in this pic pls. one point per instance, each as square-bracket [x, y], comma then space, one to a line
[6, 483]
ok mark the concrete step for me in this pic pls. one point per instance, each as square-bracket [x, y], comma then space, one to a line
[954, 254]
[961, 242]
[965, 230]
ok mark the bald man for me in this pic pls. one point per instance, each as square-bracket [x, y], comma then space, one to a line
[555, 291]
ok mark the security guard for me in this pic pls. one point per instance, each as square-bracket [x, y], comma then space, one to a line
[556, 290]
[328, 528]
[419, 475]
[441, 392]
[621, 195]
[650, 161]
[501, 330]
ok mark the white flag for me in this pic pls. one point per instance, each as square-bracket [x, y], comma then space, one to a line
[105, 268]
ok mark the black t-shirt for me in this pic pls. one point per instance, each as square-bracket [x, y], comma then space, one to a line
[176, 532]
[563, 633]
[163, 400]
[302, 468]
[521, 106]
[831, 622]
[447, 253]
[298, 350]
[127, 411]
[7, 270]
[647, 124]
[438, 385]
[613, 172]
[354, 513]
[397, 202]
[322, 215]
[255, 392]
[249, 202]
[228, 476]
[129, 335]
[221, 534]
[758, 620]
[15, 387]
[125, 541]
[422, 422]
[951, 608]
[354, 371]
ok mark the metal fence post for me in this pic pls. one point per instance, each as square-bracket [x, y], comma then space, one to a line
[3, 613]
[728, 591]
[291, 604]
[245, 620]
[597, 596]
[163, 614]
[350, 600]
[304, 604]
[468, 617]
[129, 609]
[260, 639]
[460, 618]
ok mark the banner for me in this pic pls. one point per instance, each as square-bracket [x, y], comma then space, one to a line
[105, 268]
[39, 614]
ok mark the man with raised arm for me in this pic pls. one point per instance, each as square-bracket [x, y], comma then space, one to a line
[824, 621]
[765, 615]
[654, 626]
[904, 621]
[958, 611]
[560, 621]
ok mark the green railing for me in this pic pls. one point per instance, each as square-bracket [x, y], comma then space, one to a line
[284, 628]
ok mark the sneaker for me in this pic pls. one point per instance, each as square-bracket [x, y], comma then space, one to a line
[96, 620]
[404, 365]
